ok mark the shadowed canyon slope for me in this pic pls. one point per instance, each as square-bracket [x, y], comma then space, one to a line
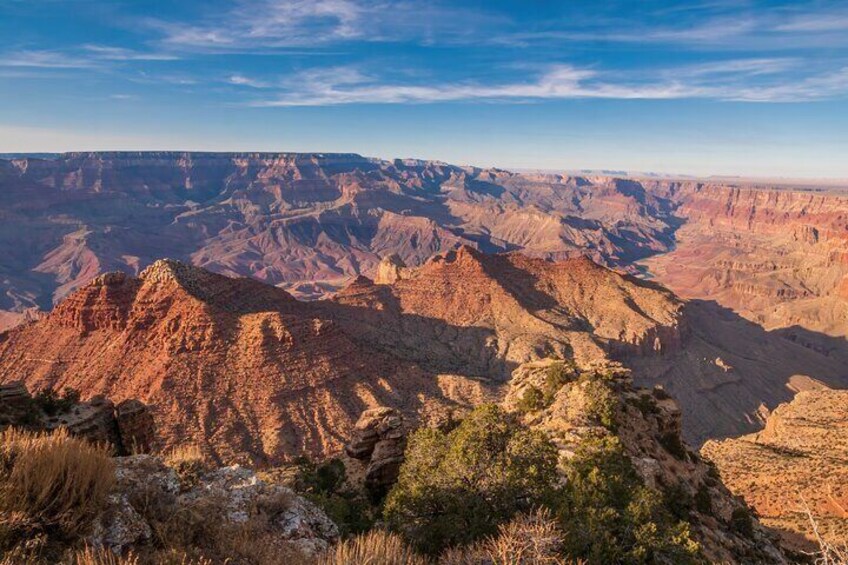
[248, 372]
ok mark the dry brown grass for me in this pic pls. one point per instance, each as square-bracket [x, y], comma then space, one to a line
[189, 464]
[54, 479]
[529, 539]
[99, 556]
[376, 547]
[533, 539]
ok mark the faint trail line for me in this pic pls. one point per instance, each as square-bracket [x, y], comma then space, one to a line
[44, 360]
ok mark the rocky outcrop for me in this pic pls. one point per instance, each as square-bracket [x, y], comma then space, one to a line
[390, 270]
[136, 427]
[129, 427]
[379, 440]
[149, 495]
[16, 406]
[94, 420]
[576, 404]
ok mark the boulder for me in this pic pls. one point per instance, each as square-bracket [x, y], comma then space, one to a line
[93, 420]
[379, 438]
[15, 404]
[135, 426]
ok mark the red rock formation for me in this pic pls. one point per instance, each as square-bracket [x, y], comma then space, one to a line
[247, 372]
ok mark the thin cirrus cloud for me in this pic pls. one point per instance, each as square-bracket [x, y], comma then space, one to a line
[42, 59]
[746, 67]
[273, 24]
[111, 53]
[725, 26]
[816, 23]
[729, 80]
[85, 57]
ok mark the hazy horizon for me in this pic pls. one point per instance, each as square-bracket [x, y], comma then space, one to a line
[605, 171]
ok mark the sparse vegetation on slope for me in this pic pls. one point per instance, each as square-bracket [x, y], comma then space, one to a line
[797, 462]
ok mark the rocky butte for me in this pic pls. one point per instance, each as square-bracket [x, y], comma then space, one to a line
[250, 373]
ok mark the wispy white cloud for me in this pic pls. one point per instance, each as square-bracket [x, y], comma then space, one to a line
[820, 87]
[746, 67]
[815, 23]
[241, 80]
[43, 59]
[720, 81]
[83, 57]
[276, 24]
[111, 53]
[721, 25]
[349, 86]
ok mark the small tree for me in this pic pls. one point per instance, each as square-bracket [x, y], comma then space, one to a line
[556, 376]
[458, 487]
[51, 403]
[531, 400]
[610, 516]
[601, 403]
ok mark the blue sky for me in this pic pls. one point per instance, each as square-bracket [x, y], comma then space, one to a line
[711, 87]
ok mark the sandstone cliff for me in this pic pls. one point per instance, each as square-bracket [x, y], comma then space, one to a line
[776, 256]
